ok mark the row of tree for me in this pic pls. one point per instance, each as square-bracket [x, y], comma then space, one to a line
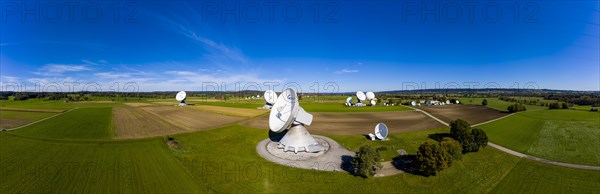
[516, 108]
[557, 105]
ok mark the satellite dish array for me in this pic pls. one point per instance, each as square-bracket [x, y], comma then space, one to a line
[286, 113]
[361, 96]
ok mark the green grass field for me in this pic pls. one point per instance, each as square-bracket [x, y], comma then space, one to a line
[407, 141]
[43, 158]
[497, 103]
[24, 115]
[207, 161]
[54, 104]
[48, 166]
[78, 124]
[568, 136]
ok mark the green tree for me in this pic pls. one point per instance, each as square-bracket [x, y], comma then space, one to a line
[516, 108]
[554, 105]
[565, 106]
[459, 130]
[366, 161]
[452, 148]
[479, 137]
[484, 102]
[431, 159]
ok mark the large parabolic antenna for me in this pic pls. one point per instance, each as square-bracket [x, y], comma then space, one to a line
[370, 95]
[361, 97]
[287, 114]
[181, 96]
[270, 97]
[381, 131]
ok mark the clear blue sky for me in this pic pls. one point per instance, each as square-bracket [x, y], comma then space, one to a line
[359, 45]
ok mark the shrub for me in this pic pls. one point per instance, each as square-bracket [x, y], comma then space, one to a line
[431, 159]
[565, 106]
[366, 161]
[516, 108]
[484, 102]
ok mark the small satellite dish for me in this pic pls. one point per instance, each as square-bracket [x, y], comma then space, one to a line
[181, 98]
[370, 95]
[457, 102]
[381, 131]
[270, 96]
[349, 101]
[373, 102]
[361, 96]
[287, 114]
[413, 103]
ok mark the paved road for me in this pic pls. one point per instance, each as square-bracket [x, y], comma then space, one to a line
[518, 154]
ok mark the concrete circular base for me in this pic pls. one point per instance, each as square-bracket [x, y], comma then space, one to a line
[273, 150]
[333, 157]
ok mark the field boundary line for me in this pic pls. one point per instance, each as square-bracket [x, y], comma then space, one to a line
[15, 128]
[519, 154]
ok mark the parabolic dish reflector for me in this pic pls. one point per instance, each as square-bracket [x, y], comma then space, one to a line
[180, 96]
[370, 95]
[373, 102]
[381, 131]
[349, 100]
[270, 96]
[361, 95]
[284, 111]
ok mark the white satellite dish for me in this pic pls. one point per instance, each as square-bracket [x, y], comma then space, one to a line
[349, 101]
[361, 96]
[457, 102]
[287, 114]
[413, 103]
[373, 102]
[381, 131]
[270, 97]
[181, 98]
[370, 95]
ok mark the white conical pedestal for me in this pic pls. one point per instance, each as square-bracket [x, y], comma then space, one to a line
[297, 139]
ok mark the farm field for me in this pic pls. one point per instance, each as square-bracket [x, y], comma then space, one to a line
[240, 112]
[208, 161]
[478, 172]
[48, 166]
[78, 124]
[339, 107]
[135, 122]
[54, 104]
[359, 123]
[12, 118]
[497, 103]
[471, 113]
[562, 135]
[189, 119]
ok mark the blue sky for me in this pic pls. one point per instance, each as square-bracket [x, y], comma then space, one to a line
[358, 45]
